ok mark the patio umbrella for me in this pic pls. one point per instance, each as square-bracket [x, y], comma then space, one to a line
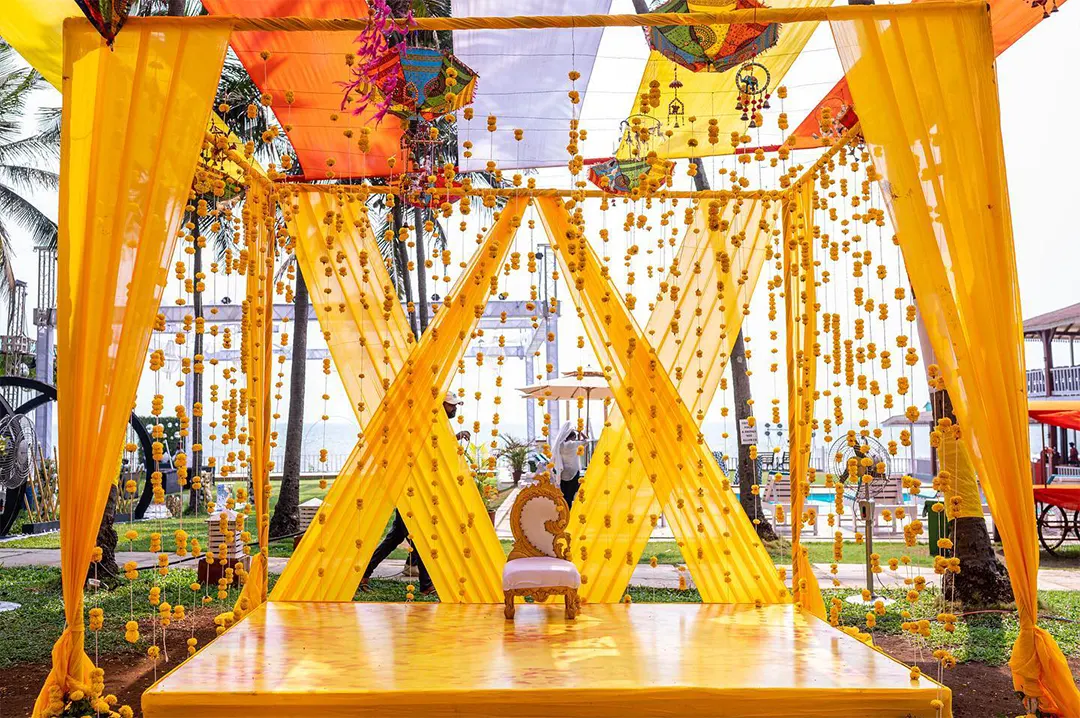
[711, 48]
[592, 386]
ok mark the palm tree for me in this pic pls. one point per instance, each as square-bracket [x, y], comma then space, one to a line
[23, 161]
[286, 518]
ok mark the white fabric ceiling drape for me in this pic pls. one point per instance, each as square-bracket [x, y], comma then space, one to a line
[524, 81]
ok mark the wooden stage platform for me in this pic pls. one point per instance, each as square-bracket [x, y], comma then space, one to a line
[293, 660]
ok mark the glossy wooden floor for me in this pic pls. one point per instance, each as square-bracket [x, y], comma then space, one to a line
[288, 660]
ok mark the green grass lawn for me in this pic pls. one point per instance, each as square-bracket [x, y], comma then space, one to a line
[27, 634]
[666, 552]
[195, 526]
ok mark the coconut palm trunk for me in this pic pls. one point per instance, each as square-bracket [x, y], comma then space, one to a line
[421, 269]
[748, 470]
[197, 377]
[401, 261]
[286, 518]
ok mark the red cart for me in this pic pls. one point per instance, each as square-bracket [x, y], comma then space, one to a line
[1057, 507]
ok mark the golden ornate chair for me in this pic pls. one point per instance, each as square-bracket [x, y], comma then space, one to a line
[538, 564]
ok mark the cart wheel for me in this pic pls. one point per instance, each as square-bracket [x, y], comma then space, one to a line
[1054, 527]
[1076, 524]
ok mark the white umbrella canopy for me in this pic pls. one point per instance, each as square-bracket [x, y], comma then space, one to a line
[592, 385]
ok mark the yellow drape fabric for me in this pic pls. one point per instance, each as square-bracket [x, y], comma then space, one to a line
[955, 457]
[133, 121]
[720, 547]
[370, 341]
[713, 95]
[256, 359]
[924, 87]
[715, 272]
[35, 29]
[800, 305]
[331, 559]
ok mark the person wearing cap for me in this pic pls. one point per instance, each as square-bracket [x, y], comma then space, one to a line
[399, 531]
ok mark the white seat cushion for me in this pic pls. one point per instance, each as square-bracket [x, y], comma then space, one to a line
[541, 572]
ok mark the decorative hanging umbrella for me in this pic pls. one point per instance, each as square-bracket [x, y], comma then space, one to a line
[107, 16]
[623, 176]
[712, 48]
[424, 82]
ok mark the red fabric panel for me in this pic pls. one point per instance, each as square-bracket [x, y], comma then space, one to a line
[1067, 497]
[311, 65]
[1065, 414]
[1064, 419]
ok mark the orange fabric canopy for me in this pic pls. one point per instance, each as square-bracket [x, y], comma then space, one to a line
[1065, 414]
[1010, 19]
[311, 65]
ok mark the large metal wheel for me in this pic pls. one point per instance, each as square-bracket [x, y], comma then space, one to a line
[47, 393]
[1054, 527]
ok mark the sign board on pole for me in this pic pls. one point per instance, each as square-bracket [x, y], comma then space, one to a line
[747, 433]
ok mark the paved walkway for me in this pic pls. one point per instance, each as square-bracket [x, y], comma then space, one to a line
[850, 575]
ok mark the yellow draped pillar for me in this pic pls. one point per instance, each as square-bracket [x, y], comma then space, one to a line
[800, 304]
[720, 547]
[717, 267]
[369, 339]
[133, 122]
[332, 557]
[924, 87]
[256, 360]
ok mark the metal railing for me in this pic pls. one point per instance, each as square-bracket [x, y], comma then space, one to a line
[1066, 381]
[310, 463]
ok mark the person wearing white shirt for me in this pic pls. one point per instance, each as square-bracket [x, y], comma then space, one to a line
[567, 451]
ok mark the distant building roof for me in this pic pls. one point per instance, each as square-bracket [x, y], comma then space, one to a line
[1064, 322]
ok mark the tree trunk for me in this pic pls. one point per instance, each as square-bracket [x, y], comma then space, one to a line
[748, 474]
[401, 260]
[196, 377]
[983, 580]
[421, 269]
[106, 539]
[748, 468]
[286, 518]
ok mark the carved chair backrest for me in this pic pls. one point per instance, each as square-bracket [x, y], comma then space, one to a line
[538, 520]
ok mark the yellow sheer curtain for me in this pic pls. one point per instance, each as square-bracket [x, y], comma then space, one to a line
[331, 559]
[133, 123]
[369, 340]
[717, 267]
[924, 87]
[35, 29]
[800, 304]
[257, 361]
[720, 547]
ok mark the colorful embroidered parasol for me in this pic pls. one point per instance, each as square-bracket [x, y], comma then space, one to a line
[426, 82]
[624, 176]
[107, 16]
[712, 48]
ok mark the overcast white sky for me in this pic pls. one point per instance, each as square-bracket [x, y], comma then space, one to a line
[1037, 78]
